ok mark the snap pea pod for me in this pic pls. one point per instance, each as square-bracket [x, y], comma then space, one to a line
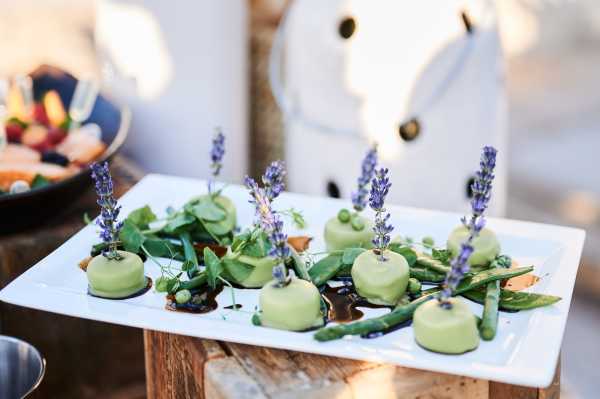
[433, 264]
[403, 313]
[489, 318]
[426, 275]
[299, 265]
[325, 269]
[514, 300]
[196, 282]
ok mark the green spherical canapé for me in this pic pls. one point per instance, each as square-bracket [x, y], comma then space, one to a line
[110, 278]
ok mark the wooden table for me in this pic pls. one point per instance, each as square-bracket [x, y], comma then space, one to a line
[85, 359]
[183, 367]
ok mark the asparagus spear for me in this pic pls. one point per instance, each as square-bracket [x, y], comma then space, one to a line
[424, 274]
[489, 318]
[404, 312]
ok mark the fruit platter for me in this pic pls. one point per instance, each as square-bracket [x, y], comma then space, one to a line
[54, 127]
[362, 279]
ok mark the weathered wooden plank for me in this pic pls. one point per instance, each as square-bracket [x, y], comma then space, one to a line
[225, 378]
[175, 364]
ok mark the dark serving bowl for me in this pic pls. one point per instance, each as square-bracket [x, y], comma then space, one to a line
[18, 211]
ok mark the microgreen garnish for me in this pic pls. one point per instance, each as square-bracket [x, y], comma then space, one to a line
[482, 192]
[359, 197]
[380, 186]
[109, 210]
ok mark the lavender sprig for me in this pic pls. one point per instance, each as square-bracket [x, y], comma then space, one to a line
[359, 197]
[482, 192]
[216, 156]
[109, 210]
[273, 179]
[270, 222]
[380, 186]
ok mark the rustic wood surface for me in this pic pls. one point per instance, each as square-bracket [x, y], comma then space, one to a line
[85, 359]
[180, 367]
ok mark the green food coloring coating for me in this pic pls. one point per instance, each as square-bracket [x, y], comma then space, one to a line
[486, 245]
[340, 235]
[380, 282]
[112, 278]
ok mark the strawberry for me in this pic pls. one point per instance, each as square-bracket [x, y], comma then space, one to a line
[39, 114]
[56, 135]
[14, 131]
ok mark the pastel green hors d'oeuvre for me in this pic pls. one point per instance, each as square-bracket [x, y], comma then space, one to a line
[116, 278]
[450, 329]
[486, 245]
[381, 282]
[294, 307]
[259, 270]
[348, 230]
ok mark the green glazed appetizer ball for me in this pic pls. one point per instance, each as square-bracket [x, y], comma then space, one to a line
[451, 330]
[380, 282]
[294, 307]
[110, 278]
[486, 245]
[348, 231]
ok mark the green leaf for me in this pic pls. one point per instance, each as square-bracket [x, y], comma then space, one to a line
[214, 267]
[442, 255]
[257, 246]
[187, 266]
[256, 319]
[160, 248]
[131, 237]
[409, 254]
[39, 181]
[350, 254]
[142, 217]
[515, 300]
[235, 270]
[208, 210]
[178, 221]
[325, 269]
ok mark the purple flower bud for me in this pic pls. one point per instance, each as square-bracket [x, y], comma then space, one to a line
[109, 210]
[482, 192]
[359, 197]
[268, 220]
[380, 186]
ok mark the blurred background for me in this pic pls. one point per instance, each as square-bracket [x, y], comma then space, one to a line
[419, 77]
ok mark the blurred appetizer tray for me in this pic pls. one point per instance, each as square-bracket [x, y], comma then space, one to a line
[524, 352]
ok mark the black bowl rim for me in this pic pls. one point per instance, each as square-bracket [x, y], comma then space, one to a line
[112, 149]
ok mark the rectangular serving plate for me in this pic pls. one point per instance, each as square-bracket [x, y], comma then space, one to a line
[524, 352]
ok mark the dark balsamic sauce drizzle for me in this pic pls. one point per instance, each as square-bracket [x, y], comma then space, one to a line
[234, 307]
[206, 304]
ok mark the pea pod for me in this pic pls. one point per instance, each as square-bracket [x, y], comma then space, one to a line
[198, 281]
[325, 269]
[514, 300]
[426, 275]
[433, 264]
[403, 313]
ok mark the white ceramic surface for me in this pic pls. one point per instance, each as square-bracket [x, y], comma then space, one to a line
[524, 352]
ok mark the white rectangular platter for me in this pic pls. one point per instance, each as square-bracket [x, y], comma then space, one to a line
[524, 352]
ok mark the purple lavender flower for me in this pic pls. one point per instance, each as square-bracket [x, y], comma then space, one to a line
[482, 192]
[216, 156]
[109, 210]
[273, 179]
[380, 186]
[359, 197]
[217, 152]
[270, 222]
